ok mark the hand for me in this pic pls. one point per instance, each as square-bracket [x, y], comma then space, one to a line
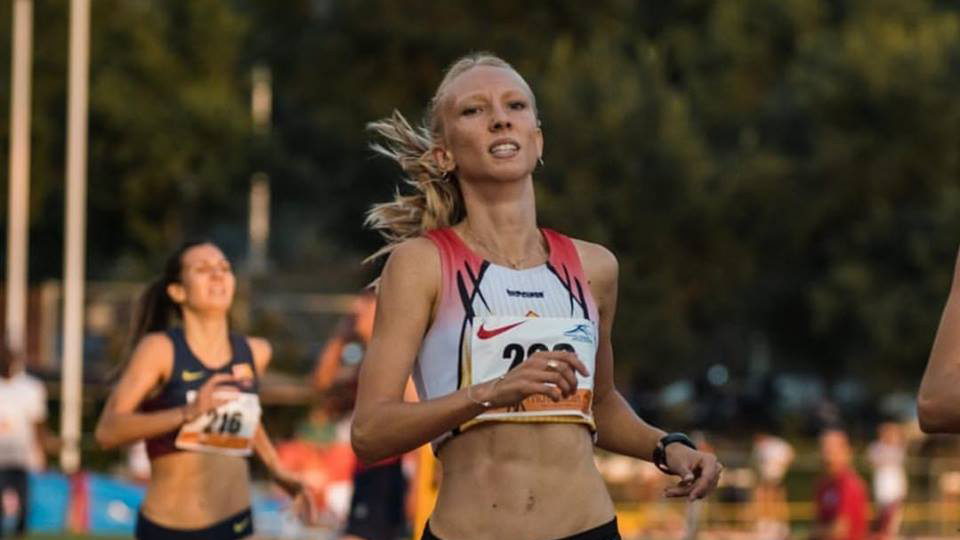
[205, 400]
[303, 505]
[552, 373]
[699, 472]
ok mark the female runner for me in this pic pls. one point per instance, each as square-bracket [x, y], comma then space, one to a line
[505, 327]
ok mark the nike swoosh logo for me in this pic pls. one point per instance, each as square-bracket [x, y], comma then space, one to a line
[483, 333]
[239, 526]
[190, 376]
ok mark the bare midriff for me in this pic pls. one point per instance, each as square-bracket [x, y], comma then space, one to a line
[192, 490]
[519, 481]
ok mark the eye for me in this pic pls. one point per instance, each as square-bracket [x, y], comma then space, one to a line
[518, 105]
[469, 111]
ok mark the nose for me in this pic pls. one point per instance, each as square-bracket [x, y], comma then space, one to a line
[499, 120]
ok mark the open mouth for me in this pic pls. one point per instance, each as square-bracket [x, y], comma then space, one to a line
[504, 148]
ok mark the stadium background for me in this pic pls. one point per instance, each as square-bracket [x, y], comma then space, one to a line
[779, 180]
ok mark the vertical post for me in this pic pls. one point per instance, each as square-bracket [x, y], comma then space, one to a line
[48, 330]
[75, 234]
[259, 228]
[261, 109]
[18, 204]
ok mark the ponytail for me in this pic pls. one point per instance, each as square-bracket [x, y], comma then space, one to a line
[436, 201]
[155, 311]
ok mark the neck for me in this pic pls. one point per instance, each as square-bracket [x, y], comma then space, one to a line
[207, 335]
[501, 222]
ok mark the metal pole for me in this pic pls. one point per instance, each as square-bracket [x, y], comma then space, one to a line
[18, 205]
[75, 233]
[259, 227]
[261, 110]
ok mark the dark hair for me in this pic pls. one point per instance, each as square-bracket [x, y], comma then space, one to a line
[155, 310]
[6, 359]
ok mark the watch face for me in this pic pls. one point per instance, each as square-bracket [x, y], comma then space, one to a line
[352, 353]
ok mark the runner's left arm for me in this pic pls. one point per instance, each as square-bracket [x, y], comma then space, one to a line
[619, 429]
[288, 481]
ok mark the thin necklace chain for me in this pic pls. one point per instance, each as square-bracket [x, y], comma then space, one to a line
[512, 263]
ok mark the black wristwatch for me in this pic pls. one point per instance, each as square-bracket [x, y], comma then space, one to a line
[660, 452]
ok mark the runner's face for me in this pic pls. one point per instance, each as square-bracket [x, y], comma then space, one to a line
[490, 129]
[207, 280]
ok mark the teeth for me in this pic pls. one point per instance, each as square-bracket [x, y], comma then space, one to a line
[504, 148]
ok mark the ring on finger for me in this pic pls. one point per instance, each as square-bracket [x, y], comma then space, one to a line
[552, 365]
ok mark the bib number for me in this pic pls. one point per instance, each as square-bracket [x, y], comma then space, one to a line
[229, 429]
[500, 344]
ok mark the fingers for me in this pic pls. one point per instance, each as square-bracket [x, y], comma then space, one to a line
[708, 480]
[219, 379]
[683, 487]
[696, 481]
[209, 397]
[550, 373]
[562, 363]
[562, 382]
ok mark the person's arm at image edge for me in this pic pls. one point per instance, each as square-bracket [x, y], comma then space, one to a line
[938, 402]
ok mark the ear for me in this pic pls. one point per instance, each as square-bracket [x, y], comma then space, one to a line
[539, 141]
[176, 293]
[444, 159]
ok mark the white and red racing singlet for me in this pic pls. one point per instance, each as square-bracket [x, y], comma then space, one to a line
[491, 318]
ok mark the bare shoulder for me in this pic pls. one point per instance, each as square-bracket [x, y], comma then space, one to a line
[262, 352]
[155, 345]
[153, 353]
[599, 263]
[413, 263]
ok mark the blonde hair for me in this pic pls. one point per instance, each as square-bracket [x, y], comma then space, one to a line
[436, 201]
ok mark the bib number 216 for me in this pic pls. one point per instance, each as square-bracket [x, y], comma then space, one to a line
[229, 422]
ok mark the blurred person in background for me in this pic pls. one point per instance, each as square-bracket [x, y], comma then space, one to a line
[938, 402]
[841, 498]
[772, 457]
[378, 504]
[505, 327]
[887, 455]
[190, 391]
[24, 437]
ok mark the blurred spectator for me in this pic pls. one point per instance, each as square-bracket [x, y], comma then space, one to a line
[138, 462]
[841, 498]
[320, 453]
[772, 457]
[377, 506]
[23, 433]
[886, 455]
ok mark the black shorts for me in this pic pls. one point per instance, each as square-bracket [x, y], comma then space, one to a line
[607, 531]
[378, 509]
[16, 478]
[232, 528]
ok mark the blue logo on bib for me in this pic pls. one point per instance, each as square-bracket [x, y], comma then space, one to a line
[581, 332]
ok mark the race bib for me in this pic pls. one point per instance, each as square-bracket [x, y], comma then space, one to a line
[228, 429]
[499, 344]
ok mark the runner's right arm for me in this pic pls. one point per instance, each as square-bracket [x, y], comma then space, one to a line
[938, 403]
[151, 363]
